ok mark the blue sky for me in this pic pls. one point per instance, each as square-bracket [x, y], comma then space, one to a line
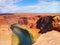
[29, 6]
[27, 2]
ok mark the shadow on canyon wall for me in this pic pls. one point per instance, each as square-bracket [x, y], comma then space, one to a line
[43, 23]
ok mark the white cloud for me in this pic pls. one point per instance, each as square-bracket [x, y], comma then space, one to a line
[51, 7]
[41, 7]
[9, 1]
[8, 5]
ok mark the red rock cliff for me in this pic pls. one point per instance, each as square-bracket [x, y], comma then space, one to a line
[31, 21]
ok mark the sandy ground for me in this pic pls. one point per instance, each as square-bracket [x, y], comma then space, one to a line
[49, 38]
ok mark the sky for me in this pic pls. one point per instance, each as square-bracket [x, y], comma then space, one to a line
[29, 6]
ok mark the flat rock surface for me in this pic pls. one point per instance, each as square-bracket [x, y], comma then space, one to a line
[5, 35]
[49, 38]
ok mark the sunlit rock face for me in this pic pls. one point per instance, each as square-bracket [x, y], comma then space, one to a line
[49, 38]
[2, 20]
[56, 23]
[5, 35]
[30, 22]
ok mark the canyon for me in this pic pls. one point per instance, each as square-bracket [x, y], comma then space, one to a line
[27, 20]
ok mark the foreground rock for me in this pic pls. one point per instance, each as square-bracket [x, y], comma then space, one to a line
[5, 35]
[49, 38]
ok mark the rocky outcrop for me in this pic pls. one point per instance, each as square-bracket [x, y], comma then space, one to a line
[49, 38]
[5, 35]
[56, 23]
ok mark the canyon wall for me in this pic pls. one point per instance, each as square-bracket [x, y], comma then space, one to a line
[27, 20]
[36, 23]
